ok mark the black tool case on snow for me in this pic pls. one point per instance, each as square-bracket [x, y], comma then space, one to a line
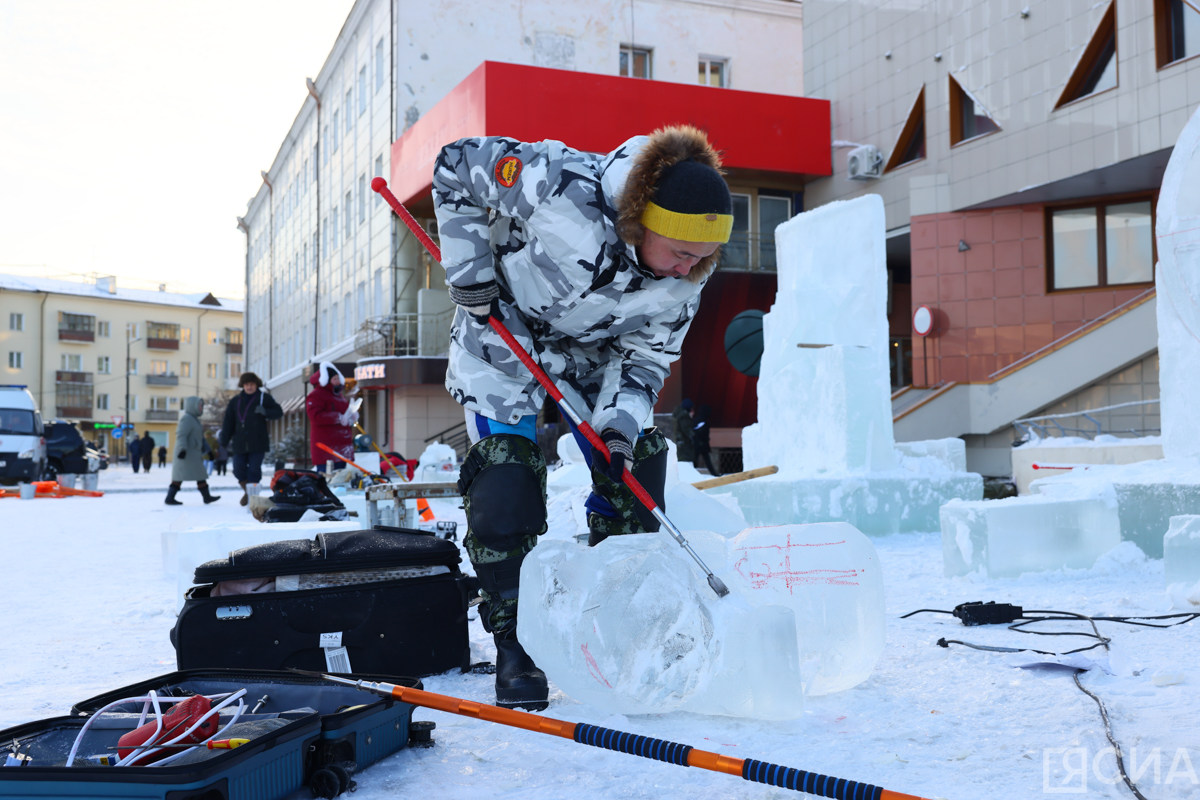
[325, 726]
[393, 598]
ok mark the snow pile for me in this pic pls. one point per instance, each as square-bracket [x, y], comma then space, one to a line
[631, 626]
[438, 464]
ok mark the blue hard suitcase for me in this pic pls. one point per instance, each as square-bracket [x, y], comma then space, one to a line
[325, 729]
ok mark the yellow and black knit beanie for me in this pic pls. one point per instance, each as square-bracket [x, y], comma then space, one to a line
[691, 203]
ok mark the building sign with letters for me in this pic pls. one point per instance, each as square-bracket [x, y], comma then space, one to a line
[370, 372]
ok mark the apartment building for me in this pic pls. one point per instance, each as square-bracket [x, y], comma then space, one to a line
[101, 355]
[1018, 148]
[331, 276]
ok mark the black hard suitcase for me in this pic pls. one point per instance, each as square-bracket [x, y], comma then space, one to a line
[401, 611]
[326, 725]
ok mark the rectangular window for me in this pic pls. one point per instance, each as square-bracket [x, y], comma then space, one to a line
[334, 143]
[133, 403]
[185, 335]
[212, 337]
[349, 105]
[333, 226]
[362, 90]
[349, 213]
[362, 199]
[102, 402]
[160, 366]
[76, 327]
[234, 336]
[131, 366]
[16, 360]
[131, 330]
[379, 64]
[72, 363]
[324, 329]
[325, 144]
[1110, 244]
[162, 333]
[635, 62]
[333, 321]
[378, 174]
[212, 370]
[736, 253]
[185, 369]
[103, 365]
[233, 369]
[772, 212]
[104, 329]
[158, 403]
[325, 234]
[74, 398]
[16, 322]
[346, 317]
[378, 292]
[714, 72]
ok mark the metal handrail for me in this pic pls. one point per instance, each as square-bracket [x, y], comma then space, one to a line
[1024, 424]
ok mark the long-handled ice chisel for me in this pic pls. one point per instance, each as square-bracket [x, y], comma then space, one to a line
[717, 585]
[657, 749]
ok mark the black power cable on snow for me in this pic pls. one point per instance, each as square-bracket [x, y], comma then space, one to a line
[993, 613]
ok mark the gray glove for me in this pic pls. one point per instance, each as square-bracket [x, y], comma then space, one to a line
[481, 300]
[620, 452]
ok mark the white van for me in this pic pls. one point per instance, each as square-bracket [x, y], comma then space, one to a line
[22, 444]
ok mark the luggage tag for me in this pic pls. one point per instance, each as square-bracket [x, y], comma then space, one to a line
[337, 658]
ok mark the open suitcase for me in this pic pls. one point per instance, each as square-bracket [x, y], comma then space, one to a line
[383, 600]
[321, 732]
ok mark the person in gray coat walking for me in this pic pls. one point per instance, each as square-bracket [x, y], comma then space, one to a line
[189, 453]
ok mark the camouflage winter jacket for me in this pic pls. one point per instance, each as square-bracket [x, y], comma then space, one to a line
[540, 219]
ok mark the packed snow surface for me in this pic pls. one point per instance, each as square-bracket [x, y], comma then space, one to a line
[87, 609]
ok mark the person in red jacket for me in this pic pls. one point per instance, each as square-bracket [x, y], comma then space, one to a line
[331, 420]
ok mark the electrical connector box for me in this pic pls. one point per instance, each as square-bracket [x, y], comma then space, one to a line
[989, 613]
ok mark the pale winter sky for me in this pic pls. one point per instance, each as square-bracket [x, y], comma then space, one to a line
[132, 132]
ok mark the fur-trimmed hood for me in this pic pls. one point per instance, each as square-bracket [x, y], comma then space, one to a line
[663, 148]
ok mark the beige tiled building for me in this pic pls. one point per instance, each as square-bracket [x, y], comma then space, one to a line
[97, 354]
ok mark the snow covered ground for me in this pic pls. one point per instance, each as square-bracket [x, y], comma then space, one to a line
[87, 610]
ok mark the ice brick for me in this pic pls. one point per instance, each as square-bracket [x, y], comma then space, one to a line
[824, 392]
[631, 626]
[1036, 533]
[948, 454]
[1181, 550]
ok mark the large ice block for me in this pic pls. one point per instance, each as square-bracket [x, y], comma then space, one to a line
[1181, 550]
[631, 626]
[1177, 279]
[824, 390]
[1035, 533]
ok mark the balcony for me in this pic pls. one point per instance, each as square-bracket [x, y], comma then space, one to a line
[73, 412]
[233, 348]
[406, 334]
[162, 344]
[156, 415]
[76, 336]
[162, 380]
[63, 376]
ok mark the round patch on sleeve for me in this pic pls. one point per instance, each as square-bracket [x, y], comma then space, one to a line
[508, 169]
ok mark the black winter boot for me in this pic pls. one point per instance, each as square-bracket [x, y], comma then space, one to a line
[172, 490]
[208, 498]
[519, 683]
[245, 497]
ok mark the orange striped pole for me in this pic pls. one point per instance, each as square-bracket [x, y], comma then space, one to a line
[341, 457]
[656, 749]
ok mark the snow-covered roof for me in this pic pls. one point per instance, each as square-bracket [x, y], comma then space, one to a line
[22, 283]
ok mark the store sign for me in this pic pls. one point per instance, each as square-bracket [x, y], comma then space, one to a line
[370, 372]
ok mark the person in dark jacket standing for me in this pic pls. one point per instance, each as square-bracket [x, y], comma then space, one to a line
[245, 430]
[685, 448]
[700, 437]
[148, 447]
[162, 456]
[134, 448]
[189, 449]
[329, 413]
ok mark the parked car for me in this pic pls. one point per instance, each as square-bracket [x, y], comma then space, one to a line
[67, 453]
[22, 446]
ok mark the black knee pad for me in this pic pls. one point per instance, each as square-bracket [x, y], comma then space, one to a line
[500, 479]
[651, 473]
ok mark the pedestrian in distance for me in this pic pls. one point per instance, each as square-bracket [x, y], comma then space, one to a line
[245, 431]
[162, 456]
[222, 458]
[685, 448]
[595, 263]
[189, 451]
[147, 449]
[134, 448]
[210, 451]
[330, 420]
[700, 435]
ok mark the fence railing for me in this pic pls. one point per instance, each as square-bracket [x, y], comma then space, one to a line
[456, 436]
[1029, 424]
[411, 334]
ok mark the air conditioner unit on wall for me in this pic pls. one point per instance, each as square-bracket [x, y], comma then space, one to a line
[864, 163]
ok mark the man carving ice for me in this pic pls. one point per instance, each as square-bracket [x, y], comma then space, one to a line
[595, 264]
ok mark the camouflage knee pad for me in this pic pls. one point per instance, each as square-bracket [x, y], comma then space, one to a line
[650, 469]
[503, 486]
